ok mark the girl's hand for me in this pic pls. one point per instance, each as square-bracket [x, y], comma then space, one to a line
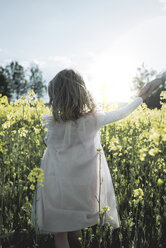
[162, 75]
[147, 90]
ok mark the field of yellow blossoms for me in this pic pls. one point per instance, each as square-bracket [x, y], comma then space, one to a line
[135, 148]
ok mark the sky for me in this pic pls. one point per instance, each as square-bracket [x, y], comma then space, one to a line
[105, 40]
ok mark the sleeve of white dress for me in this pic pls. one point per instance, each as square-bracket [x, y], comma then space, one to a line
[45, 121]
[46, 138]
[105, 118]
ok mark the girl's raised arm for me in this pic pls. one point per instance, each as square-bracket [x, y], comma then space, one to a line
[105, 118]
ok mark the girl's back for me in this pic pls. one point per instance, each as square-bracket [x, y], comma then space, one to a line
[71, 163]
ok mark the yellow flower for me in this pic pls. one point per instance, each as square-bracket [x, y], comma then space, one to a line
[154, 151]
[32, 187]
[160, 181]
[36, 175]
[154, 136]
[110, 218]
[138, 193]
[4, 100]
[115, 170]
[37, 131]
[164, 137]
[142, 156]
[104, 209]
[111, 228]
[6, 125]
[31, 93]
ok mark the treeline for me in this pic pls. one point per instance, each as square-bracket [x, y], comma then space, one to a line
[16, 81]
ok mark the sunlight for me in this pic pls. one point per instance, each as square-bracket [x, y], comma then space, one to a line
[111, 75]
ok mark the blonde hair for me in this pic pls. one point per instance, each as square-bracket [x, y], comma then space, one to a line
[69, 97]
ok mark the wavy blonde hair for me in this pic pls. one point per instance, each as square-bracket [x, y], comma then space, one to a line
[69, 97]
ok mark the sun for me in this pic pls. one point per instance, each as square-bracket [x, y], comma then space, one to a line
[112, 74]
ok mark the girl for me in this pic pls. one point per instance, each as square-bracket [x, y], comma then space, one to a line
[68, 202]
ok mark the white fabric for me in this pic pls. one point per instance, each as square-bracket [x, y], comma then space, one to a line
[67, 202]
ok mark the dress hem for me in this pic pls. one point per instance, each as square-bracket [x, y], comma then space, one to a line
[41, 231]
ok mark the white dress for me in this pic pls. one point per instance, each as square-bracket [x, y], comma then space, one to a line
[67, 202]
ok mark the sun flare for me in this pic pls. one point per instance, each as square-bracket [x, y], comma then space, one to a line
[111, 76]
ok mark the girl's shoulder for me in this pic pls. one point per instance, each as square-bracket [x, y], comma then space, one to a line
[47, 120]
[89, 119]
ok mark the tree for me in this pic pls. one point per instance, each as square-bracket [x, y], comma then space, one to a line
[5, 89]
[36, 82]
[142, 77]
[14, 81]
[16, 75]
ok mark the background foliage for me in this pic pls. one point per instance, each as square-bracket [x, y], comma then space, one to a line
[16, 81]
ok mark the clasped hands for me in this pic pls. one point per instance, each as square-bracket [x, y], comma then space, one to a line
[148, 89]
